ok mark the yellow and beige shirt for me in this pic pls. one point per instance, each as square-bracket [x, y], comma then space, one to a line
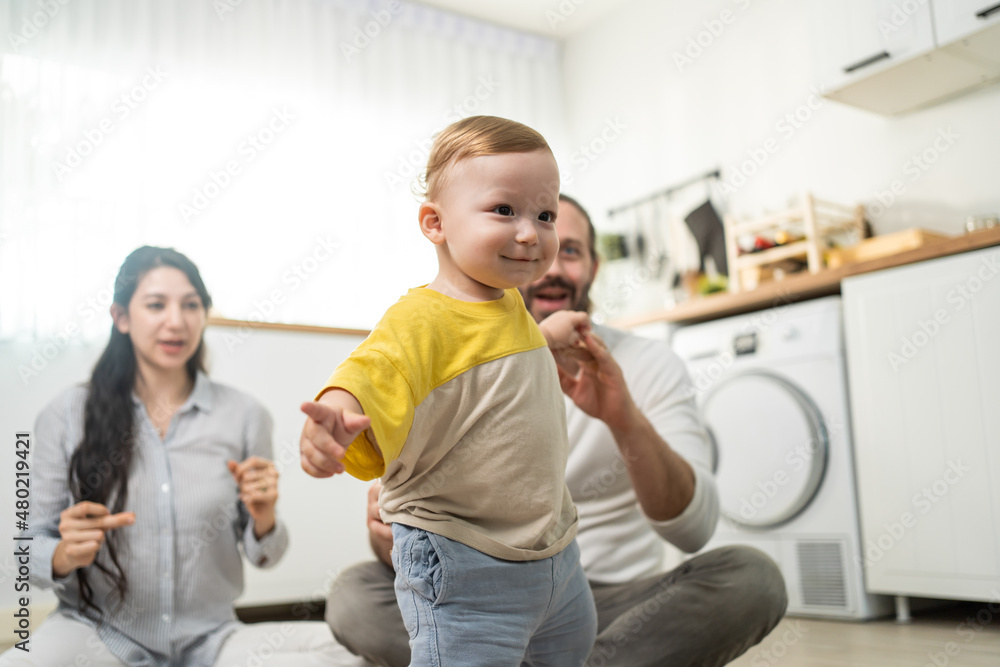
[470, 424]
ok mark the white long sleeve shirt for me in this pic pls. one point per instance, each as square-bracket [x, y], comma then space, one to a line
[618, 543]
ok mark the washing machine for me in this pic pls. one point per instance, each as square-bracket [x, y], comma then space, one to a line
[772, 390]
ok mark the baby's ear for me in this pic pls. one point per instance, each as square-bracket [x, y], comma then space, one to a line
[430, 222]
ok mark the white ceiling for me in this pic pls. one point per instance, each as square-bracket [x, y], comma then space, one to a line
[553, 18]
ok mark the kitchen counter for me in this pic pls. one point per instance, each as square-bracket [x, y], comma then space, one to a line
[803, 286]
[246, 327]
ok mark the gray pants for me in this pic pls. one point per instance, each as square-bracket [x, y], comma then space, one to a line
[707, 611]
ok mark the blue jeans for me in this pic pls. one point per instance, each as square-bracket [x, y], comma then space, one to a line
[462, 607]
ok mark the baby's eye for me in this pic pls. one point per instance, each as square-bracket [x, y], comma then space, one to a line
[546, 216]
[503, 209]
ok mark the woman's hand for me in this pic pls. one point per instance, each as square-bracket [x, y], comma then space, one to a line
[258, 483]
[82, 528]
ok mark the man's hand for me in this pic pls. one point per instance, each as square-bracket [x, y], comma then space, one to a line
[379, 534]
[662, 479]
[257, 480]
[598, 387]
[82, 528]
[328, 431]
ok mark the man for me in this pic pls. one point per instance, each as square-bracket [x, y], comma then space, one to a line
[639, 474]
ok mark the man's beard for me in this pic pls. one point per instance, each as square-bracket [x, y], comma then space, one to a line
[579, 300]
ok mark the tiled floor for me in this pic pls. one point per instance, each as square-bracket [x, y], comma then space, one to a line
[963, 636]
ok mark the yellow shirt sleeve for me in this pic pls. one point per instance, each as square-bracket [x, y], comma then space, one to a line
[386, 397]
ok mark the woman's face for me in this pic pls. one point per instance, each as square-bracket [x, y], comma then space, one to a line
[165, 319]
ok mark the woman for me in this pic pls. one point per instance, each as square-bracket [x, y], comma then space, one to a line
[145, 482]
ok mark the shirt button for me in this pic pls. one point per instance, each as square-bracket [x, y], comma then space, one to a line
[165, 487]
[166, 618]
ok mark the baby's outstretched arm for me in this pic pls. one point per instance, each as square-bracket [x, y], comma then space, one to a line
[334, 421]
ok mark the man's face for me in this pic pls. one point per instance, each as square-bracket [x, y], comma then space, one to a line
[566, 285]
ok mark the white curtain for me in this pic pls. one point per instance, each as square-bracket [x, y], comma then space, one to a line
[273, 142]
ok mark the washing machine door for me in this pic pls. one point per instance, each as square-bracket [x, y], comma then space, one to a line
[771, 447]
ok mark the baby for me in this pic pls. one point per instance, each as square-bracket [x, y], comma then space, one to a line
[454, 401]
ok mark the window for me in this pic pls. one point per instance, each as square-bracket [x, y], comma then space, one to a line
[274, 143]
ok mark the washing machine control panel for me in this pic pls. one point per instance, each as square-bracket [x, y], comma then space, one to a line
[745, 343]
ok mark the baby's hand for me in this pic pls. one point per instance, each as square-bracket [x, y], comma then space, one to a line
[564, 332]
[565, 329]
[327, 434]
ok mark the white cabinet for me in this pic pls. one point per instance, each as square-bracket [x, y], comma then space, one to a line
[957, 19]
[969, 30]
[325, 517]
[923, 349]
[860, 37]
[891, 57]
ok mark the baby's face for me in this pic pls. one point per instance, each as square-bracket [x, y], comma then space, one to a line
[498, 214]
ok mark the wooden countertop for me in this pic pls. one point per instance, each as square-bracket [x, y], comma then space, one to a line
[804, 286]
[215, 320]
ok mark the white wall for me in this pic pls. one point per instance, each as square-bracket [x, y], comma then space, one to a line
[281, 369]
[729, 100]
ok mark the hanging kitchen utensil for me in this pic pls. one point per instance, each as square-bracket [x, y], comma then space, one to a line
[660, 254]
[707, 228]
[612, 245]
[638, 234]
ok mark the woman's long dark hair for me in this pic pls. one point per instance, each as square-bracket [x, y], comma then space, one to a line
[100, 465]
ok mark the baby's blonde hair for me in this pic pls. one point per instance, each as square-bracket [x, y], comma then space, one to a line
[473, 137]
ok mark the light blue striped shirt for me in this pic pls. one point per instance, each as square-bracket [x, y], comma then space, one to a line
[182, 556]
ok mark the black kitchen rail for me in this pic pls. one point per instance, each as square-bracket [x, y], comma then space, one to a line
[716, 174]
